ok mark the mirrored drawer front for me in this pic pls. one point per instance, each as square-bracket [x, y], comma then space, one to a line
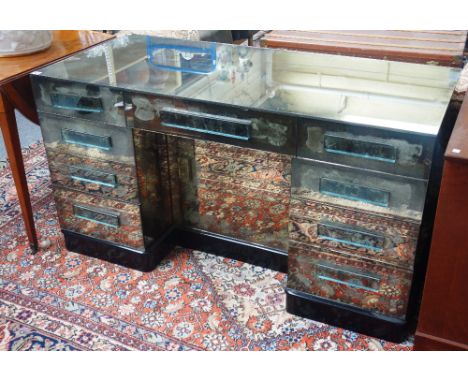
[368, 191]
[377, 288]
[97, 215]
[344, 231]
[212, 124]
[366, 147]
[92, 102]
[224, 124]
[104, 219]
[87, 139]
[107, 179]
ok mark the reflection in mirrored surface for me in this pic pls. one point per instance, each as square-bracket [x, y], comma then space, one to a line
[236, 192]
[381, 93]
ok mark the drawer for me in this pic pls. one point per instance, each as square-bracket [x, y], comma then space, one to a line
[354, 233]
[207, 121]
[104, 219]
[367, 191]
[107, 179]
[367, 285]
[92, 102]
[366, 147]
[87, 139]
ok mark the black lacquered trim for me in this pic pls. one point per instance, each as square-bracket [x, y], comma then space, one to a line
[346, 316]
[430, 206]
[116, 254]
[185, 237]
[231, 248]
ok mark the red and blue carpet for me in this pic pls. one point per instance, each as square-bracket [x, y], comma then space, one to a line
[59, 300]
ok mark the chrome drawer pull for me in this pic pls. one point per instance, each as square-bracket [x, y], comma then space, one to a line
[206, 123]
[87, 140]
[359, 148]
[78, 103]
[108, 219]
[350, 236]
[354, 192]
[87, 175]
[346, 277]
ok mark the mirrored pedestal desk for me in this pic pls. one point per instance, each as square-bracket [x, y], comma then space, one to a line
[325, 167]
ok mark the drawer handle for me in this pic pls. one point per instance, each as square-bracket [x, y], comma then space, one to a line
[87, 175]
[87, 140]
[206, 123]
[346, 277]
[360, 149]
[354, 192]
[107, 219]
[78, 103]
[350, 236]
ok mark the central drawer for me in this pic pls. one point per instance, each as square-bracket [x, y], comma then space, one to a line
[208, 121]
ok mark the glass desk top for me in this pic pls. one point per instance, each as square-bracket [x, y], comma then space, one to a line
[387, 94]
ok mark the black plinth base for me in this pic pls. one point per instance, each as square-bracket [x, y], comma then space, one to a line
[142, 261]
[228, 247]
[189, 238]
[297, 303]
[345, 316]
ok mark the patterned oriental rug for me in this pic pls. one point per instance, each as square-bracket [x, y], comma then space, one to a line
[59, 300]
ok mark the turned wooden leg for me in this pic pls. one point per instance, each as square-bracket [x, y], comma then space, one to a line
[13, 149]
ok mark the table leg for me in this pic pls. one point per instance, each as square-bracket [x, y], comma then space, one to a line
[13, 149]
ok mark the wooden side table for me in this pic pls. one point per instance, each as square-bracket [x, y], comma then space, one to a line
[15, 92]
[443, 319]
